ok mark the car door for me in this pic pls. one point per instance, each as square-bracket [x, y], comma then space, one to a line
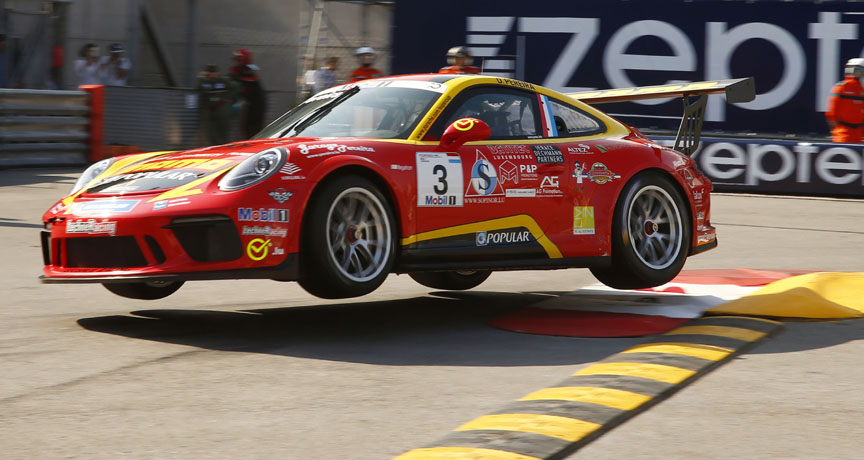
[498, 200]
[590, 181]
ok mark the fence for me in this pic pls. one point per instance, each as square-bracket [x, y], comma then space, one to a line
[44, 127]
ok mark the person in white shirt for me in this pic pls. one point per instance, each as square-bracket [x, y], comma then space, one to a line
[115, 67]
[87, 67]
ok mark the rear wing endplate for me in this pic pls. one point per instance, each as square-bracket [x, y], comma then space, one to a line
[736, 90]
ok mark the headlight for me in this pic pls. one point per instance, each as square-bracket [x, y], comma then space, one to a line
[91, 173]
[253, 169]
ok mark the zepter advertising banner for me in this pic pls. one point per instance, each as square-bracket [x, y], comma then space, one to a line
[795, 51]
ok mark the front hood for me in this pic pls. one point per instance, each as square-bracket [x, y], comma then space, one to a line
[171, 170]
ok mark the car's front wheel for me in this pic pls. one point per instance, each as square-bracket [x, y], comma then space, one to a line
[650, 234]
[349, 243]
[451, 281]
[147, 290]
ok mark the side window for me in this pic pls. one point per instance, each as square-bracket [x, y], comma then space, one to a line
[510, 114]
[570, 121]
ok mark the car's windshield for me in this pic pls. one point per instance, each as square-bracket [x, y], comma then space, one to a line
[389, 111]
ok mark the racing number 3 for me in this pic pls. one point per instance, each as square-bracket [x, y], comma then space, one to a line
[442, 179]
[439, 179]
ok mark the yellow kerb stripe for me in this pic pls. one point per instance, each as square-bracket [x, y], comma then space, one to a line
[660, 372]
[619, 399]
[461, 453]
[708, 352]
[723, 331]
[568, 429]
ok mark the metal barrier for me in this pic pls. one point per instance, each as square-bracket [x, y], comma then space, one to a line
[39, 127]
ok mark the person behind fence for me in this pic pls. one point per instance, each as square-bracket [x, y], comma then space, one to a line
[251, 91]
[325, 76]
[459, 60]
[87, 67]
[115, 67]
[845, 114]
[217, 94]
[365, 57]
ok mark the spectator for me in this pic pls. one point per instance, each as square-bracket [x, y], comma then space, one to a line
[459, 60]
[87, 67]
[324, 77]
[845, 113]
[307, 82]
[365, 57]
[245, 74]
[115, 66]
[216, 94]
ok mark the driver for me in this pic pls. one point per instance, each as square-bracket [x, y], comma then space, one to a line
[460, 60]
[845, 114]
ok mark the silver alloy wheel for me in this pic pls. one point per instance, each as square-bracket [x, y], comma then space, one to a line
[358, 234]
[655, 227]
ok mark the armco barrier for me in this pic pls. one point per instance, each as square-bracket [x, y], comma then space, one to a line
[39, 127]
[780, 167]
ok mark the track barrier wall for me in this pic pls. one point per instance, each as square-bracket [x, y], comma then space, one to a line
[780, 167]
[45, 127]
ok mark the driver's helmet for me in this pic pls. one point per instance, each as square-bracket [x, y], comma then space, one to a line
[365, 55]
[459, 51]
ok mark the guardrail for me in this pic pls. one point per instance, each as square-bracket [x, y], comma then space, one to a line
[39, 127]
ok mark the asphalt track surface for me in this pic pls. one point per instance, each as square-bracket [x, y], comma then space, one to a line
[262, 370]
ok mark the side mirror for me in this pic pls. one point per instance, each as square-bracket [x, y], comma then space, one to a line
[464, 130]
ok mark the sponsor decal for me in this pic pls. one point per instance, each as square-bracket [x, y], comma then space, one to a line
[600, 174]
[464, 124]
[549, 182]
[528, 172]
[439, 179]
[516, 83]
[401, 167]
[602, 148]
[520, 193]
[688, 176]
[583, 220]
[545, 154]
[697, 195]
[262, 215]
[510, 152]
[280, 195]
[580, 149]
[509, 172]
[162, 204]
[106, 206]
[484, 178]
[206, 164]
[331, 149]
[91, 226]
[264, 231]
[278, 252]
[166, 174]
[258, 248]
[59, 207]
[502, 237]
[289, 168]
[706, 238]
[579, 172]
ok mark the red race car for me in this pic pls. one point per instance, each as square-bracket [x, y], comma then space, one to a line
[443, 177]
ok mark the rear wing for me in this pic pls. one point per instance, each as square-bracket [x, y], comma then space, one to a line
[736, 90]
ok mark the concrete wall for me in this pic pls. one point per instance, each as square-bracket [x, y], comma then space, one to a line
[274, 31]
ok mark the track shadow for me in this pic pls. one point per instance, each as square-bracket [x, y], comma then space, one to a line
[19, 176]
[440, 329]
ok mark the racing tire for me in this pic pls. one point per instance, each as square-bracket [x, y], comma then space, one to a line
[147, 290]
[651, 234]
[349, 242]
[451, 281]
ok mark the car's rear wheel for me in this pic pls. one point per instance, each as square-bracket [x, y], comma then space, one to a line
[349, 243]
[451, 281]
[147, 290]
[650, 234]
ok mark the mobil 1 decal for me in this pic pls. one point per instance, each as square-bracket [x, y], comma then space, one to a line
[483, 186]
[439, 179]
[547, 154]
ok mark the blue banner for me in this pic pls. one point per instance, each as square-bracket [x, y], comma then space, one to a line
[795, 51]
